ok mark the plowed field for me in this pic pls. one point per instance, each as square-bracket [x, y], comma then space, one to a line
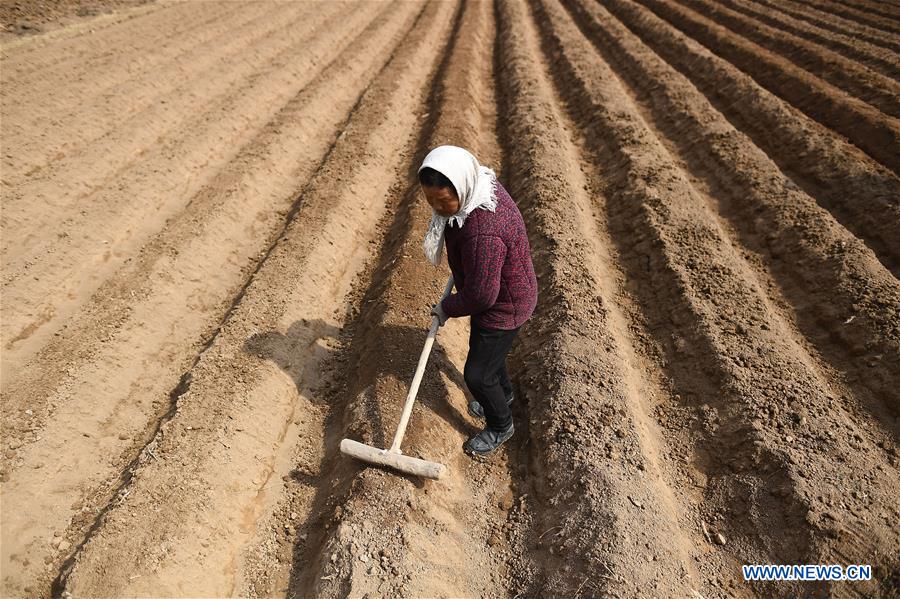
[212, 273]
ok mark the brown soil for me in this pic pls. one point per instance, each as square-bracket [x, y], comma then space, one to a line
[30, 17]
[212, 273]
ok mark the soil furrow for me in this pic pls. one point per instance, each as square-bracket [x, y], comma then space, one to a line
[882, 93]
[380, 532]
[879, 59]
[286, 545]
[212, 273]
[634, 170]
[834, 23]
[855, 15]
[136, 317]
[126, 58]
[36, 78]
[827, 263]
[55, 23]
[112, 146]
[221, 230]
[593, 444]
[859, 192]
[71, 101]
[885, 9]
[86, 43]
[77, 257]
[868, 129]
[762, 395]
[242, 418]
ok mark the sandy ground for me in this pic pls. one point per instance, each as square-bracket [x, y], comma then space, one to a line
[31, 17]
[212, 273]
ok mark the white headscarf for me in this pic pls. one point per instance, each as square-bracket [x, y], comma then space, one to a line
[474, 185]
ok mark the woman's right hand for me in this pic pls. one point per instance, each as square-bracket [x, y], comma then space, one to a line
[437, 310]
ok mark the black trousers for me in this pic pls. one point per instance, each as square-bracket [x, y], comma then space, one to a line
[485, 373]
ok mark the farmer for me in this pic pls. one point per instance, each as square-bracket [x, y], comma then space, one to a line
[489, 256]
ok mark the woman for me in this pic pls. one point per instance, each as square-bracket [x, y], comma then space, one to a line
[489, 256]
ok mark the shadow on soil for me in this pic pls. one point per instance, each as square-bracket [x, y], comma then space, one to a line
[381, 357]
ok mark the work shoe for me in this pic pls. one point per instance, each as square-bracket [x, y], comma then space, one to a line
[487, 440]
[477, 411]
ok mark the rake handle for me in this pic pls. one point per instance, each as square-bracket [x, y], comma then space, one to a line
[417, 379]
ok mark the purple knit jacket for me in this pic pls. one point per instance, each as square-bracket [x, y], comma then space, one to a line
[490, 259]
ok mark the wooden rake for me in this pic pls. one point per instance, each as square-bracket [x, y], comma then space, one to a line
[393, 457]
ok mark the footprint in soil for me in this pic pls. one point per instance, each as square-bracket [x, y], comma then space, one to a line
[385, 353]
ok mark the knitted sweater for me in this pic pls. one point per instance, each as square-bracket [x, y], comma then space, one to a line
[490, 259]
